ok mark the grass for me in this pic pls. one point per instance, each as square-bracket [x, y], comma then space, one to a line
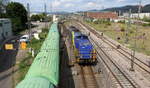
[36, 44]
[119, 30]
[24, 66]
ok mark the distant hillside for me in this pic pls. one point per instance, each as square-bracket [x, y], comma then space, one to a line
[146, 8]
[58, 13]
[134, 8]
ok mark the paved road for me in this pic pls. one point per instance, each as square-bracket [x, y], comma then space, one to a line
[8, 59]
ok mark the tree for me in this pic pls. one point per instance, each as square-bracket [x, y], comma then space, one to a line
[3, 15]
[42, 16]
[35, 18]
[18, 15]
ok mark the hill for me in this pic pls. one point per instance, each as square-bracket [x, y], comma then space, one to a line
[134, 8]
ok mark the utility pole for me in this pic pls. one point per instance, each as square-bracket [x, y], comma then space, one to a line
[1, 6]
[128, 27]
[139, 9]
[135, 45]
[119, 13]
[29, 21]
[133, 52]
[45, 11]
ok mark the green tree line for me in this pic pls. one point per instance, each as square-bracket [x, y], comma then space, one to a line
[18, 15]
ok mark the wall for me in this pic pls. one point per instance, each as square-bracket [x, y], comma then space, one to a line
[135, 15]
[5, 28]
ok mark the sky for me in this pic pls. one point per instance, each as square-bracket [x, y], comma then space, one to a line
[76, 5]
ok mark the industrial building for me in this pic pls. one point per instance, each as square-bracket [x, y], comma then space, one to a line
[5, 29]
[137, 15]
[101, 15]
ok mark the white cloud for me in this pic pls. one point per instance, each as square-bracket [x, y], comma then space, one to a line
[66, 0]
[92, 5]
[56, 3]
[120, 0]
[69, 5]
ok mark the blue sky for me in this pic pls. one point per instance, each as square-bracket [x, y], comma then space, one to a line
[77, 5]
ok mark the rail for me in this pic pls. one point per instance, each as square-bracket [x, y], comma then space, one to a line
[144, 66]
[88, 78]
[124, 80]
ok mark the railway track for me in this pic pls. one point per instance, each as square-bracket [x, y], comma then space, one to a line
[122, 78]
[142, 65]
[88, 78]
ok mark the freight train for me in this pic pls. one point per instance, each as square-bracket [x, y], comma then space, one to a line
[44, 71]
[82, 47]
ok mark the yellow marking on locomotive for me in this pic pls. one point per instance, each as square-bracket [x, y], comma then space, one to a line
[94, 54]
[73, 39]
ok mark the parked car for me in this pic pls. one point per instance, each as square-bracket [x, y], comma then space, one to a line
[24, 38]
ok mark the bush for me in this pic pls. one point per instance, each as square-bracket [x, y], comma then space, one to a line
[146, 24]
[108, 23]
[3, 15]
[122, 29]
[35, 18]
[121, 22]
[131, 31]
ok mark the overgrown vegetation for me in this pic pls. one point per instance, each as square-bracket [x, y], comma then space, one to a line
[104, 23]
[35, 44]
[118, 31]
[146, 19]
[24, 66]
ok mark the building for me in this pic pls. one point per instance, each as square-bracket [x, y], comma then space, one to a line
[141, 15]
[101, 15]
[5, 29]
[136, 15]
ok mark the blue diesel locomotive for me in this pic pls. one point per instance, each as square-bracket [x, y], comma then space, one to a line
[83, 49]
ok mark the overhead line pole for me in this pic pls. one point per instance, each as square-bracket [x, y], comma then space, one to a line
[29, 20]
[0, 6]
[45, 11]
[135, 43]
[139, 9]
[128, 27]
